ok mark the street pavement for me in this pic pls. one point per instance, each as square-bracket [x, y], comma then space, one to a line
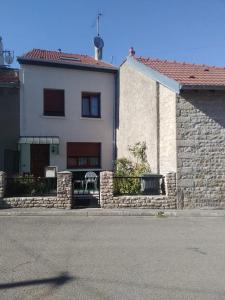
[108, 257]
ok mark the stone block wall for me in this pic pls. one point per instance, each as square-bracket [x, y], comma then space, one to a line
[29, 202]
[62, 200]
[107, 200]
[201, 149]
[2, 184]
[106, 188]
[65, 189]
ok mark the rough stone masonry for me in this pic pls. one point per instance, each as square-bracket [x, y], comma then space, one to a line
[201, 149]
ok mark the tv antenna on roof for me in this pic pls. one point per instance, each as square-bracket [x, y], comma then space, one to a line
[98, 22]
[98, 41]
[6, 56]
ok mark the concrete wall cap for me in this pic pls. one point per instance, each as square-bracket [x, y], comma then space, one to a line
[64, 172]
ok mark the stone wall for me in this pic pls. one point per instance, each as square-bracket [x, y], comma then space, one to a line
[2, 184]
[106, 188]
[65, 189]
[27, 202]
[62, 200]
[201, 149]
[138, 201]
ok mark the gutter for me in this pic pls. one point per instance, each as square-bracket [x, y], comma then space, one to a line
[10, 85]
[203, 87]
[115, 120]
[59, 64]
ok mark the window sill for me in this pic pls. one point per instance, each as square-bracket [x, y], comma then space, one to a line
[90, 118]
[53, 117]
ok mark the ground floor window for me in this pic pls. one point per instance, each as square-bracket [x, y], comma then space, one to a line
[83, 155]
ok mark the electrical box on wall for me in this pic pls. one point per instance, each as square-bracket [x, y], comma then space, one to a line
[51, 171]
[55, 149]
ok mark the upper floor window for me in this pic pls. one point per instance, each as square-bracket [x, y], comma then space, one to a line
[54, 102]
[91, 105]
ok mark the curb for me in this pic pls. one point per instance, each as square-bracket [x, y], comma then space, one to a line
[93, 212]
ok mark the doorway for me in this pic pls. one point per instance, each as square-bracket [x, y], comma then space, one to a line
[39, 159]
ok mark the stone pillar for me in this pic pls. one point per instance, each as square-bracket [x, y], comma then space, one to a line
[2, 184]
[106, 188]
[64, 189]
[171, 187]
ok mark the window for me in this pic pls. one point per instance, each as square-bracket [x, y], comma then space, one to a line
[91, 105]
[54, 102]
[83, 155]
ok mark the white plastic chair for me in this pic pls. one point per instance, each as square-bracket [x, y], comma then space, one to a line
[91, 177]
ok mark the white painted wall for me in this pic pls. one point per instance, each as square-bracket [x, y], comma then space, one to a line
[137, 113]
[138, 119]
[167, 116]
[72, 127]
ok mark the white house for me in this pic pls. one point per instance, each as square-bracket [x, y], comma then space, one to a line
[67, 112]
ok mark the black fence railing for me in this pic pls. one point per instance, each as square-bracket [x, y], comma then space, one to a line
[28, 186]
[145, 185]
[86, 186]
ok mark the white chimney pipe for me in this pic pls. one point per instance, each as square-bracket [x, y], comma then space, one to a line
[98, 53]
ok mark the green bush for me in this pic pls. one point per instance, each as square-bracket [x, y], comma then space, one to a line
[131, 168]
[28, 185]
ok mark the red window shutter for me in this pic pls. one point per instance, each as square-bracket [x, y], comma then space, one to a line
[54, 102]
[83, 149]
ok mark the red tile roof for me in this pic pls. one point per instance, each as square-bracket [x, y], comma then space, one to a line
[65, 58]
[9, 76]
[187, 73]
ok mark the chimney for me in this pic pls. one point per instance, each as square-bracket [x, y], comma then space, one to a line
[98, 53]
[131, 51]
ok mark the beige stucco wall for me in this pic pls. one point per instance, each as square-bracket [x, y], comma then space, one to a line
[72, 127]
[167, 123]
[137, 113]
[139, 104]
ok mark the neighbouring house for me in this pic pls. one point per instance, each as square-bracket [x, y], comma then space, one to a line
[67, 112]
[178, 109]
[9, 119]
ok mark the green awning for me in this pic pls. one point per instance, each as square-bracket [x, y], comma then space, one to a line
[39, 140]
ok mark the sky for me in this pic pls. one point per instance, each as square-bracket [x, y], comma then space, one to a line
[183, 30]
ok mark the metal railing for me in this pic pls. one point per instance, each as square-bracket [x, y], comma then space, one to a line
[28, 186]
[144, 185]
[85, 187]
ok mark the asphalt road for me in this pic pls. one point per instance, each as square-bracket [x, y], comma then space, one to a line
[71, 257]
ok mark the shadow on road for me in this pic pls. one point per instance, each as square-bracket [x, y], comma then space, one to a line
[56, 281]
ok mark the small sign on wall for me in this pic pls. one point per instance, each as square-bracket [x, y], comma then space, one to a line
[50, 171]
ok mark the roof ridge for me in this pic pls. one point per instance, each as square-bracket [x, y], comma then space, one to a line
[55, 51]
[178, 62]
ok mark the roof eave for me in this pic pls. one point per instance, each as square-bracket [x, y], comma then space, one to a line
[59, 64]
[203, 87]
[9, 85]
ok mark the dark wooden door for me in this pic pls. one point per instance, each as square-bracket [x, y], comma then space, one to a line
[39, 159]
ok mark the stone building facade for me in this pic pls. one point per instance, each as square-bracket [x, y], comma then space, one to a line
[200, 124]
[178, 109]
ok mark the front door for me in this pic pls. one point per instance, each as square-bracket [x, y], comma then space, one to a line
[39, 159]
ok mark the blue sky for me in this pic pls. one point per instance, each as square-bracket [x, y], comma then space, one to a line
[182, 30]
